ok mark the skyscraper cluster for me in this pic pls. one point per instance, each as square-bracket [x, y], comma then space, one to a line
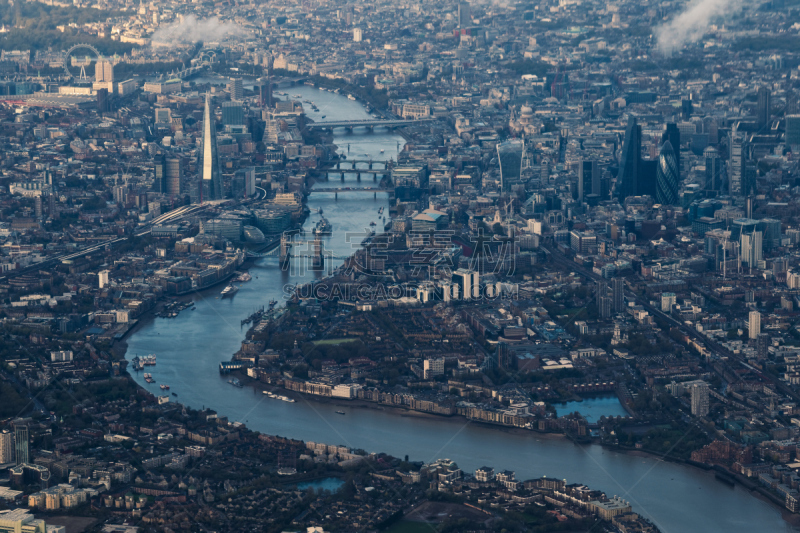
[659, 178]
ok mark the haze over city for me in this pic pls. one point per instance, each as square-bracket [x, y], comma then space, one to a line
[402, 267]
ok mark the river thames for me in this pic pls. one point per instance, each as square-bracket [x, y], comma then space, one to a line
[676, 498]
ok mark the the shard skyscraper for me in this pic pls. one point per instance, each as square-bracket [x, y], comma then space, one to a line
[208, 160]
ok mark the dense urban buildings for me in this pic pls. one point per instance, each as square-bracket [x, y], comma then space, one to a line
[393, 233]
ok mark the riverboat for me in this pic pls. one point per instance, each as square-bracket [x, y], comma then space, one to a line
[230, 290]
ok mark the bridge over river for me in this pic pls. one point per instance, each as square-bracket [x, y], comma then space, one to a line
[368, 123]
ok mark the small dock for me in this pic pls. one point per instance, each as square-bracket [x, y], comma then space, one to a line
[255, 317]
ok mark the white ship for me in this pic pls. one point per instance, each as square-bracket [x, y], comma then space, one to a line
[230, 290]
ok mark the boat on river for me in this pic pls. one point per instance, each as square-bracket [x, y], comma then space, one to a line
[323, 227]
[230, 290]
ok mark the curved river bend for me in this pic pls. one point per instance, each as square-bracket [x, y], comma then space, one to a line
[676, 498]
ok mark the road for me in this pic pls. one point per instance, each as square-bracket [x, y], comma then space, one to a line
[176, 215]
[716, 348]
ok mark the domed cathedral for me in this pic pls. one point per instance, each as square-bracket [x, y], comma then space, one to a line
[524, 121]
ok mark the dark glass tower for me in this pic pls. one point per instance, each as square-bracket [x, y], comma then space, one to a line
[630, 162]
[510, 155]
[208, 160]
[21, 444]
[588, 175]
[667, 176]
[715, 171]
[160, 181]
[764, 107]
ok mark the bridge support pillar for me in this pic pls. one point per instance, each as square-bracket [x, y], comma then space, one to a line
[338, 165]
[374, 176]
[375, 195]
[336, 196]
[286, 251]
[370, 165]
[318, 260]
[354, 165]
[358, 176]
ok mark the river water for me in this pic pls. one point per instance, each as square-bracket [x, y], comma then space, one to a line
[676, 498]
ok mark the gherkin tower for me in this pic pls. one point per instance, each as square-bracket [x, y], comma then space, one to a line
[667, 176]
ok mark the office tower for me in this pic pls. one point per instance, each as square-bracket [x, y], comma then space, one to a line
[174, 176]
[232, 113]
[588, 173]
[793, 130]
[763, 107]
[21, 444]
[7, 453]
[103, 105]
[751, 248]
[673, 135]
[464, 16]
[792, 103]
[503, 356]
[630, 161]
[103, 71]
[243, 183]
[603, 300]
[648, 178]
[686, 108]
[208, 160]
[736, 163]
[160, 181]
[271, 131]
[509, 157]
[714, 170]
[358, 35]
[468, 283]
[618, 294]
[741, 226]
[235, 89]
[270, 62]
[711, 127]
[667, 176]
[754, 325]
[699, 393]
[762, 345]
[770, 229]
[163, 115]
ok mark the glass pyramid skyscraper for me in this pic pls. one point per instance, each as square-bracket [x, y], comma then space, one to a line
[208, 159]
